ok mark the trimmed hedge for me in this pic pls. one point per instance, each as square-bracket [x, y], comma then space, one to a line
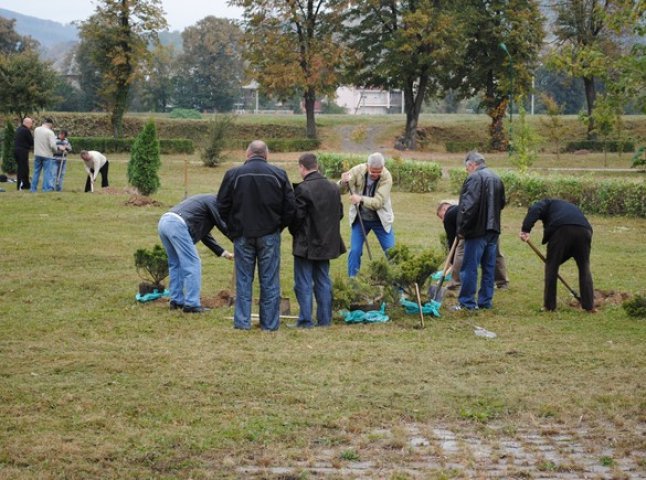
[408, 175]
[603, 197]
[279, 144]
[120, 145]
[457, 176]
[598, 146]
[466, 146]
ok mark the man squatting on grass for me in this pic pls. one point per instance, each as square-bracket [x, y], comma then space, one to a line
[481, 200]
[95, 162]
[568, 234]
[316, 239]
[180, 229]
[369, 185]
[256, 200]
[447, 211]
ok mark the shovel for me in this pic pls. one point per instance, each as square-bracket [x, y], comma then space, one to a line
[436, 292]
[542, 257]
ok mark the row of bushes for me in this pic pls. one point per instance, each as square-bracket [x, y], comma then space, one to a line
[598, 146]
[120, 145]
[98, 124]
[604, 197]
[408, 175]
[279, 144]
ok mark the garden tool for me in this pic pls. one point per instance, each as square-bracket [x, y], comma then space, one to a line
[91, 183]
[60, 171]
[436, 292]
[542, 257]
[363, 228]
[419, 304]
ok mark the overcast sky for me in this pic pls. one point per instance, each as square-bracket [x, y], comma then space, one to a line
[179, 13]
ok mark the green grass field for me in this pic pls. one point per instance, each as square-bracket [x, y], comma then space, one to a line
[95, 385]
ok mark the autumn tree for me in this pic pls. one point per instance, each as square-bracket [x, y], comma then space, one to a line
[210, 69]
[409, 45]
[156, 84]
[485, 67]
[292, 48]
[11, 41]
[118, 35]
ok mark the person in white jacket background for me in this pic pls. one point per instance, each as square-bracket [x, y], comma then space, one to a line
[44, 148]
[95, 162]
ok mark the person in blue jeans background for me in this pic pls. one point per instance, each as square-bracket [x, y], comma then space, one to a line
[60, 159]
[316, 239]
[44, 148]
[256, 200]
[481, 200]
[369, 185]
[187, 223]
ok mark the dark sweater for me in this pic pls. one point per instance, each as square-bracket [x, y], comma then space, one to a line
[200, 212]
[451, 223]
[554, 213]
[23, 139]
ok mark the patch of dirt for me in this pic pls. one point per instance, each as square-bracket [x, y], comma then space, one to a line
[142, 201]
[603, 298]
[224, 298]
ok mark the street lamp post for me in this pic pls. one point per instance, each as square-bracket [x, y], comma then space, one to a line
[503, 47]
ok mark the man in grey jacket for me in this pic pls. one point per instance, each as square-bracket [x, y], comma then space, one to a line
[481, 200]
[187, 223]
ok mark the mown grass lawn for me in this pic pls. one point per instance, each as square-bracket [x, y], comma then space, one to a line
[95, 385]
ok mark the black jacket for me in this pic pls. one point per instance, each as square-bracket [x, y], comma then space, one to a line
[23, 139]
[481, 200]
[451, 224]
[315, 229]
[200, 212]
[554, 213]
[256, 199]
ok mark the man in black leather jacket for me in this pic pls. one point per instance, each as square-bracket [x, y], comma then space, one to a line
[481, 200]
[316, 240]
[256, 200]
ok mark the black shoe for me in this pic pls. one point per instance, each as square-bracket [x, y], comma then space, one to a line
[175, 306]
[195, 309]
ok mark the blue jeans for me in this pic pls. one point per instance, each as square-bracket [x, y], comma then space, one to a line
[184, 265]
[266, 250]
[44, 164]
[478, 251]
[386, 240]
[308, 273]
[60, 166]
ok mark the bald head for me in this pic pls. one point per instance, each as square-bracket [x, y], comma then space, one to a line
[27, 122]
[257, 148]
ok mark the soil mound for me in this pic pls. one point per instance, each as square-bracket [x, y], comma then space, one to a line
[142, 201]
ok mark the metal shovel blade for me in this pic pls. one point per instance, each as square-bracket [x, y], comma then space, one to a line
[436, 294]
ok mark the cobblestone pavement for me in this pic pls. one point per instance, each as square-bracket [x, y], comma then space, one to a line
[417, 451]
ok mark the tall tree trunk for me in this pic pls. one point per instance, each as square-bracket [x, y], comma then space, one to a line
[590, 97]
[310, 102]
[119, 110]
[413, 101]
[497, 110]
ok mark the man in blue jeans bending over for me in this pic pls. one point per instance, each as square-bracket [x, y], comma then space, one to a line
[187, 223]
[369, 185]
[256, 200]
[481, 200]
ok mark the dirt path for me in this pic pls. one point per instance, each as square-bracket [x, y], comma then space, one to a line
[361, 138]
[473, 451]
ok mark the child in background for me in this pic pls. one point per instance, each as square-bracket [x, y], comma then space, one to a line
[60, 159]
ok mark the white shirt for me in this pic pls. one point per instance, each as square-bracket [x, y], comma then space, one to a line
[96, 161]
[44, 142]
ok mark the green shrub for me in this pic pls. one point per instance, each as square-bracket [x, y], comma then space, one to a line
[408, 175]
[525, 142]
[9, 164]
[457, 176]
[152, 265]
[603, 197]
[143, 167]
[461, 146]
[219, 130]
[636, 306]
[185, 113]
[597, 146]
[111, 145]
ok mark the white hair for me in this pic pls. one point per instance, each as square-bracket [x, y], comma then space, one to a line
[376, 160]
[474, 157]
